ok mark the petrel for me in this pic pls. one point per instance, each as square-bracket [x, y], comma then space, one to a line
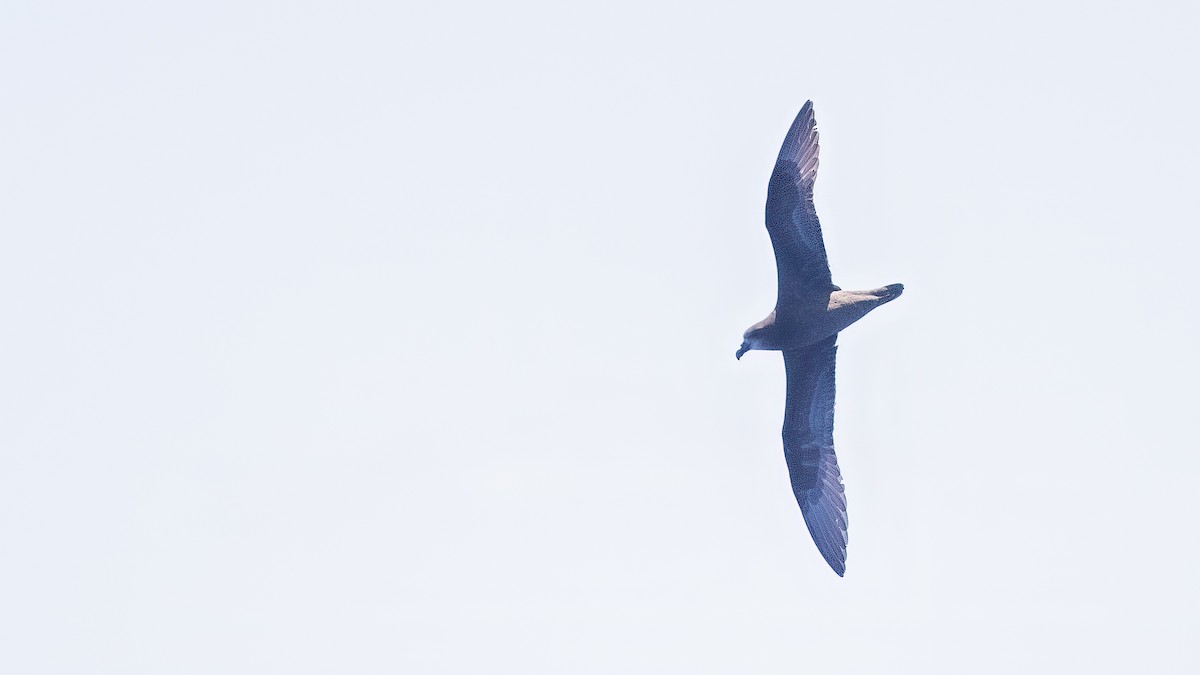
[809, 313]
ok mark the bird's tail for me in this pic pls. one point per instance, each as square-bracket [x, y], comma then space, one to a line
[888, 293]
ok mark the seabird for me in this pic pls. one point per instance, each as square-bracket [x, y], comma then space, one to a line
[809, 313]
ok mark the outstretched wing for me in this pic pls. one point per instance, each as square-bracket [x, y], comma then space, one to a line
[803, 269]
[808, 447]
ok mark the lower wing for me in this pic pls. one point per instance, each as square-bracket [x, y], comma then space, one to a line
[808, 447]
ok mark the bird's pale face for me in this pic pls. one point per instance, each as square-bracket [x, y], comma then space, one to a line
[751, 340]
[743, 349]
[754, 335]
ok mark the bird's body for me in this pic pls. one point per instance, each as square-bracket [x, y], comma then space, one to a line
[807, 325]
[809, 313]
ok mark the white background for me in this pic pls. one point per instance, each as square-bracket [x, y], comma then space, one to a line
[384, 338]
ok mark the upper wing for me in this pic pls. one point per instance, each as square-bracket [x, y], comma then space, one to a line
[800, 260]
[808, 447]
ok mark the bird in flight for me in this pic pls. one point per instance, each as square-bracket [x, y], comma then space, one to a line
[809, 313]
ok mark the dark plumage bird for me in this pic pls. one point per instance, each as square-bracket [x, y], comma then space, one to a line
[809, 313]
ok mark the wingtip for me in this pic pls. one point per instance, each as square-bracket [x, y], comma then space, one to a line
[807, 112]
[801, 147]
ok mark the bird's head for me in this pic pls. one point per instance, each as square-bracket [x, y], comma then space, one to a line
[750, 341]
[754, 335]
[746, 346]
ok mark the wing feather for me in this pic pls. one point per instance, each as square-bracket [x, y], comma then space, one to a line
[801, 264]
[808, 448]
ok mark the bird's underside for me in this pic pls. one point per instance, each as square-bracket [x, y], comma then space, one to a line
[809, 312]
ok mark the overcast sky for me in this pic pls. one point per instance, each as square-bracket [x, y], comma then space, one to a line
[374, 338]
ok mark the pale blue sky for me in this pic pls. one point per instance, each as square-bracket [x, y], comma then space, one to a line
[376, 338]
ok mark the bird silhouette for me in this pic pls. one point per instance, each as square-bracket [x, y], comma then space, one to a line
[809, 313]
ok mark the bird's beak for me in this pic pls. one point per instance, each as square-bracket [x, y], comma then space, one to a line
[742, 350]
